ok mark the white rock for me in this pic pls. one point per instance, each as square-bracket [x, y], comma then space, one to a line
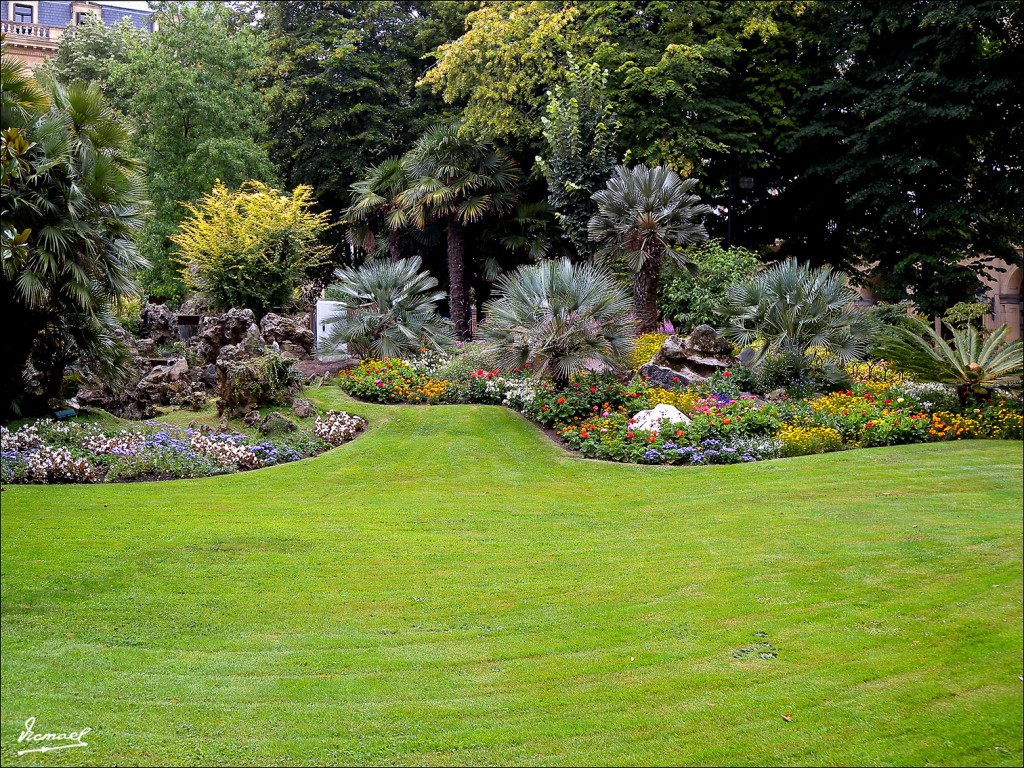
[652, 420]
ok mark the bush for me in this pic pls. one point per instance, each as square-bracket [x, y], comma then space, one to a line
[967, 314]
[251, 248]
[690, 299]
[805, 317]
[556, 316]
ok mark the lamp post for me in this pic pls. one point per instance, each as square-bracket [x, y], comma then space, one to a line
[746, 183]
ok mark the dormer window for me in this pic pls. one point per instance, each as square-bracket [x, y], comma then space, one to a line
[23, 13]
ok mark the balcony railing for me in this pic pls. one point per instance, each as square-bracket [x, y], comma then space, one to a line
[16, 31]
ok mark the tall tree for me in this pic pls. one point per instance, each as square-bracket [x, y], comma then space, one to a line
[579, 130]
[641, 214]
[72, 201]
[189, 90]
[916, 126]
[88, 52]
[458, 179]
[341, 80]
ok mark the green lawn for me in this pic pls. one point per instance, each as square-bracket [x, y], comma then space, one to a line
[452, 587]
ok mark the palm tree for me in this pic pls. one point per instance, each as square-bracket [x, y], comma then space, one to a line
[558, 316]
[798, 313]
[377, 197]
[973, 363]
[641, 213]
[73, 201]
[458, 180]
[388, 309]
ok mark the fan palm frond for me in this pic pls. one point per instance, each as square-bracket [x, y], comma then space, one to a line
[388, 309]
[558, 317]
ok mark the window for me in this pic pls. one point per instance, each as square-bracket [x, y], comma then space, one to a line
[23, 14]
[80, 16]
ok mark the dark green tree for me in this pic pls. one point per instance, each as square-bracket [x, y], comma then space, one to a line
[341, 80]
[911, 148]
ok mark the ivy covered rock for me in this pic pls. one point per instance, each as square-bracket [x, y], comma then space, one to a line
[246, 382]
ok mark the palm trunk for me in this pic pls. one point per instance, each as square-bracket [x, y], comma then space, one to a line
[395, 244]
[645, 295]
[458, 303]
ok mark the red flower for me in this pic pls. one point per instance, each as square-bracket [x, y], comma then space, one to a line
[679, 433]
[887, 402]
[561, 401]
[675, 379]
[652, 437]
[629, 435]
[869, 424]
[583, 434]
[727, 421]
[593, 390]
[634, 394]
[595, 409]
[544, 408]
[480, 373]
[727, 374]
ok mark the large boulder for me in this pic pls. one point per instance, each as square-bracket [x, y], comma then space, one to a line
[691, 359]
[662, 377]
[293, 335]
[218, 331]
[159, 324]
[245, 382]
[658, 417]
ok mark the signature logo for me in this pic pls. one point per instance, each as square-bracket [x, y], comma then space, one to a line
[29, 736]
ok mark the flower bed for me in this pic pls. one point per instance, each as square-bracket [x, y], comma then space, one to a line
[595, 414]
[76, 452]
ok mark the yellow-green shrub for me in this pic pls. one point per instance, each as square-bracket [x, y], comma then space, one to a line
[250, 248]
[801, 441]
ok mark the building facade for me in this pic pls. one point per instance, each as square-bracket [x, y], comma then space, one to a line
[32, 28]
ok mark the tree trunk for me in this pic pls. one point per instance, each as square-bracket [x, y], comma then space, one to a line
[645, 295]
[458, 303]
[15, 348]
[395, 244]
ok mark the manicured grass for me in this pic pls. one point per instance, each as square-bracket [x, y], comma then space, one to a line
[452, 587]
